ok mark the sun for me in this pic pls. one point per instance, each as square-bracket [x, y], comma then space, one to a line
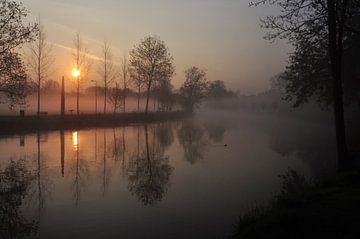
[75, 72]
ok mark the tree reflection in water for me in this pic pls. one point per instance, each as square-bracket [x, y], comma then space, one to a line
[193, 140]
[15, 181]
[106, 168]
[216, 132]
[164, 134]
[149, 172]
[40, 189]
[79, 171]
[118, 148]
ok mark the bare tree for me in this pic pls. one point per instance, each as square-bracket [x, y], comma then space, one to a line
[125, 78]
[39, 61]
[138, 84]
[116, 97]
[14, 32]
[151, 61]
[82, 65]
[165, 96]
[107, 70]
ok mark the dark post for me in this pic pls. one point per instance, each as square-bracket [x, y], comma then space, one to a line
[63, 96]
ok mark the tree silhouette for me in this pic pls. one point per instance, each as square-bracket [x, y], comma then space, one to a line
[81, 63]
[40, 61]
[194, 88]
[317, 29]
[107, 71]
[14, 32]
[151, 61]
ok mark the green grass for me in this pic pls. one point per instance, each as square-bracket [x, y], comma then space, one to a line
[307, 210]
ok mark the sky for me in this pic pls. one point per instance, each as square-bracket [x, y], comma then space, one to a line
[222, 37]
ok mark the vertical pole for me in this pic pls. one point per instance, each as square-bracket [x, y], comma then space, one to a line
[96, 98]
[63, 97]
[78, 96]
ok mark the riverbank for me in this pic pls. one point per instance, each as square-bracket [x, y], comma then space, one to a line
[33, 123]
[307, 210]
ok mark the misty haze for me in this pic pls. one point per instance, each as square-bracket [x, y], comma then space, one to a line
[179, 119]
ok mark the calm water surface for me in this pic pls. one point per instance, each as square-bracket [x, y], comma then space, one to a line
[186, 179]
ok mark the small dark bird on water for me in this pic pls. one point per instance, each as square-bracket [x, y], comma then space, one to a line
[225, 145]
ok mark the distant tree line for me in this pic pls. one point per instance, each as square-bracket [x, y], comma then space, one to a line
[146, 73]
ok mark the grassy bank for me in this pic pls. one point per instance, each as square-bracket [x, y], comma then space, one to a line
[28, 124]
[305, 209]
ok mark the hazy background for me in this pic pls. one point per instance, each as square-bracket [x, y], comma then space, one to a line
[222, 37]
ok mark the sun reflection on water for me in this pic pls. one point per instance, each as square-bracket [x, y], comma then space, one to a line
[75, 140]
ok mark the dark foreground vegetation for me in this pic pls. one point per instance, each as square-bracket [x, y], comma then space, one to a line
[28, 124]
[305, 209]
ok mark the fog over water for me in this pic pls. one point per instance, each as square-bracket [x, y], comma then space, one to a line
[50, 103]
[186, 179]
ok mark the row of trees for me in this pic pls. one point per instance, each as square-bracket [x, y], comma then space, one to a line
[148, 70]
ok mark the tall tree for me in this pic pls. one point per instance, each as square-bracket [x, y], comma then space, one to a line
[317, 29]
[125, 78]
[165, 94]
[107, 70]
[14, 32]
[138, 83]
[151, 61]
[116, 97]
[194, 88]
[82, 65]
[39, 61]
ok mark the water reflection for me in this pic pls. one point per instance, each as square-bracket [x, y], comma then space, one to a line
[216, 132]
[106, 170]
[15, 181]
[76, 178]
[75, 140]
[149, 172]
[78, 171]
[62, 152]
[193, 140]
[40, 188]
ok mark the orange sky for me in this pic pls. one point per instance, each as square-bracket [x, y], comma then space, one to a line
[222, 37]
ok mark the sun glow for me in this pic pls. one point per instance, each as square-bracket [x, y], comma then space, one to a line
[75, 72]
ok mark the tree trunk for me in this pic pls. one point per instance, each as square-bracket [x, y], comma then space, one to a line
[124, 109]
[154, 102]
[138, 99]
[38, 97]
[147, 99]
[78, 97]
[335, 51]
[105, 99]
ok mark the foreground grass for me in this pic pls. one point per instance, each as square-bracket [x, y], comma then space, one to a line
[307, 210]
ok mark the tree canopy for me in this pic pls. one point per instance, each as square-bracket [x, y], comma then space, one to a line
[14, 32]
[151, 61]
[194, 89]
